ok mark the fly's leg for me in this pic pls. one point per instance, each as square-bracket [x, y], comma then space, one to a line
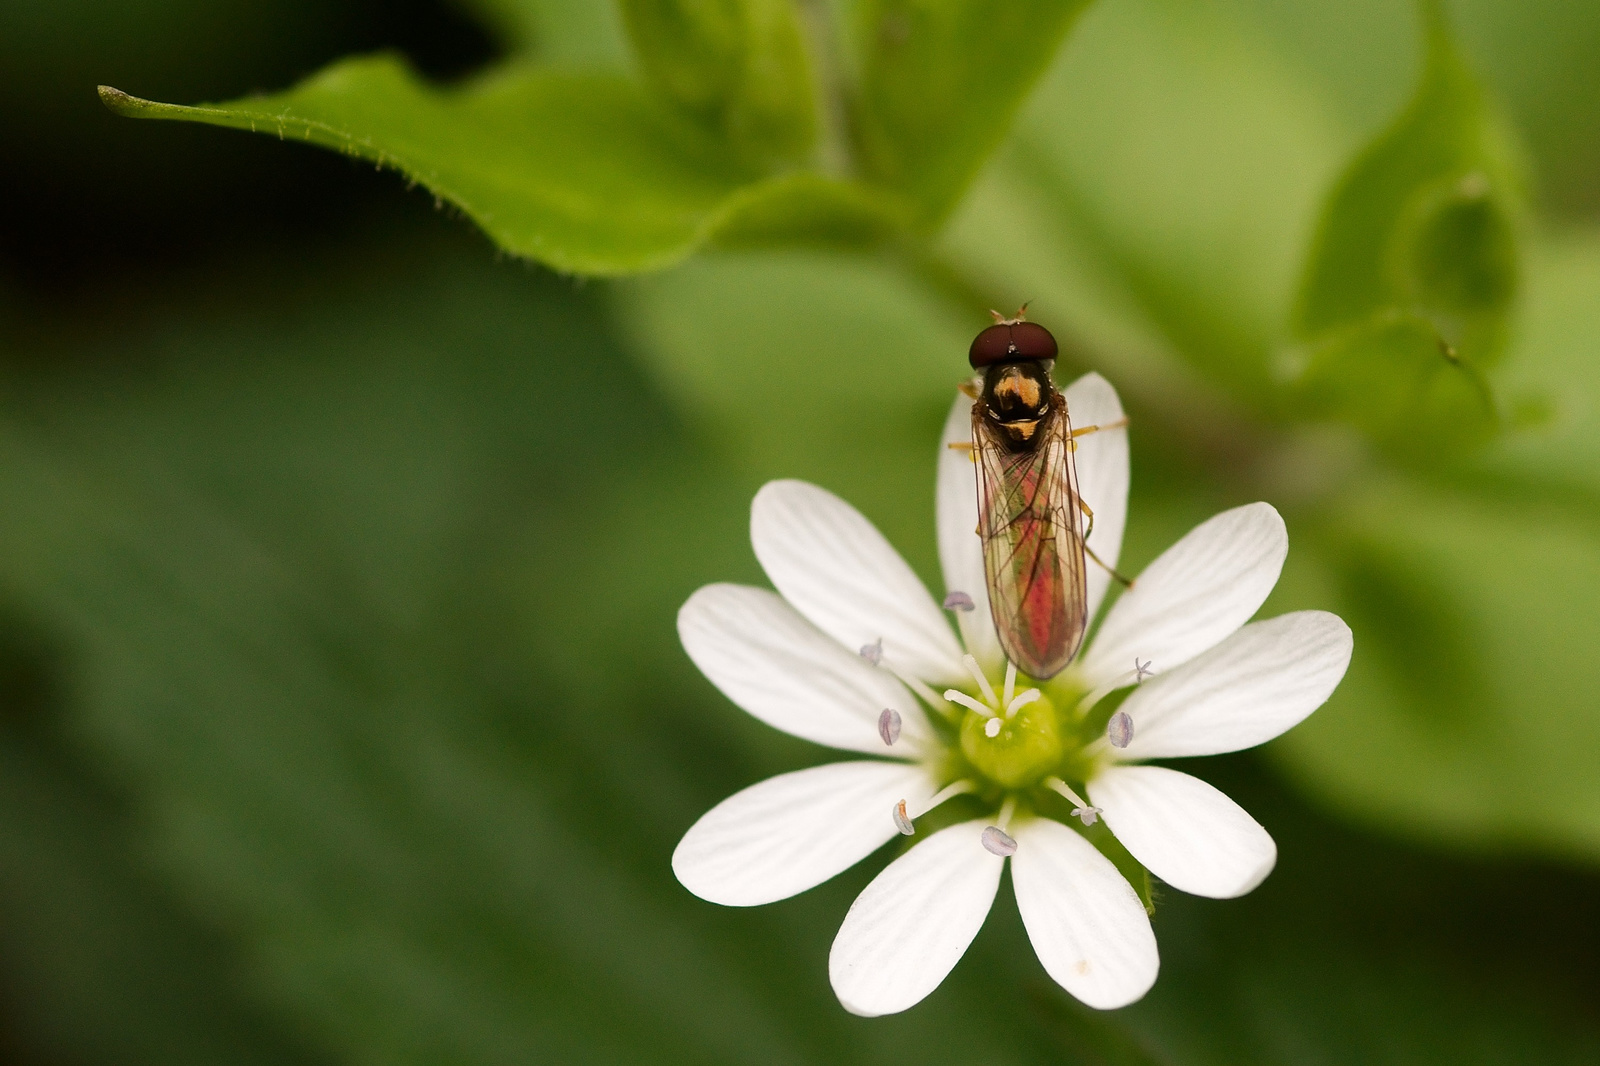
[970, 389]
[1088, 513]
[1125, 582]
[1084, 431]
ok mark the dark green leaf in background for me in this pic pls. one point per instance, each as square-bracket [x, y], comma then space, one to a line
[90, 931]
[376, 617]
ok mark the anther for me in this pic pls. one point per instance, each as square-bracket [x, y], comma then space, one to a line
[873, 652]
[997, 841]
[991, 728]
[1120, 730]
[956, 600]
[889, 726]
[902, 820]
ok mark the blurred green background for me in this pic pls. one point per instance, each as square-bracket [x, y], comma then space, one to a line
[342, 717]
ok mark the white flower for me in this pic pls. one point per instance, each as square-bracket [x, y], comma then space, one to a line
[842, 652]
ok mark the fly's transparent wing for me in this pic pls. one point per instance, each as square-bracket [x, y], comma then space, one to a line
[1031, 525]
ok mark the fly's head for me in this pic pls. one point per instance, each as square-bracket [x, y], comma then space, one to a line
[1015, 358]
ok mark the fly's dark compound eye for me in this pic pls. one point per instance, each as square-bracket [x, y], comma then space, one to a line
[1010, 342]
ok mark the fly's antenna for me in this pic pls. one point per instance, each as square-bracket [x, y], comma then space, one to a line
[1020, 316]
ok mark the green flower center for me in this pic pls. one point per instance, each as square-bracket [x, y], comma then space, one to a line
[1025, 750]
[1025, 738]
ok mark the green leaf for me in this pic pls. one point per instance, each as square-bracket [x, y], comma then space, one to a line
[1473, 599]
[939, 82]
[1395, 378]
[1420, 226]
[580, 34]
[1469, 697]
[738, 67]
[584, 173]
[1156, 195]
[1421, 219]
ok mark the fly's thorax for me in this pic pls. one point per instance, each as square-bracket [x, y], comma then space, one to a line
[1016, 397]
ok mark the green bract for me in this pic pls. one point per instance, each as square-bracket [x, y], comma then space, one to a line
[1413, 270]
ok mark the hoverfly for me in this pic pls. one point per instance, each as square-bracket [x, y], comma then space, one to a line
[1030, 517]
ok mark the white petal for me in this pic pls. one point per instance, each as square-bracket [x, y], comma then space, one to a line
[1184, 831]
[1256, 684]
[1101, 461]
[960, 547]
[1195, 594]
[782, 669]
[1087, 924]
[911, 925]
[792, 832]
[839, 571]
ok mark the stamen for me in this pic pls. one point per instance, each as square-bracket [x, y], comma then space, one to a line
[1011, 685]
[903, 817]
[956, 600]
[983, 682]
[954, 788]
[873, 652]
[889, 726]
[957, 696]
[1007, 809]
[991, 728]
[1120, 730]
[1081, 810]
[1022, 700]
[997, 841]
[930, 697]
[1139, 672]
